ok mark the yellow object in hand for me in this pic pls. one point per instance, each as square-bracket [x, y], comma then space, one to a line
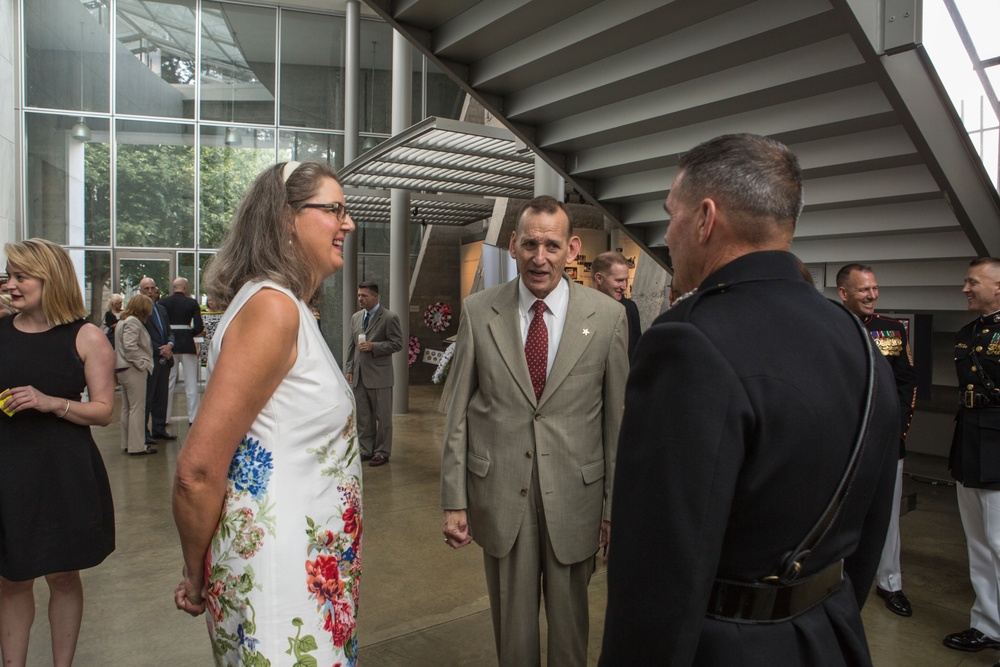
[10, 413]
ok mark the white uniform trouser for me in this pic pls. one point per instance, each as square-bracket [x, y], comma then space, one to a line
[191, 363]
[980, 511]
[890, 577]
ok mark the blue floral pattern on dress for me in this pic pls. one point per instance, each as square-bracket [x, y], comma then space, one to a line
[251, 468]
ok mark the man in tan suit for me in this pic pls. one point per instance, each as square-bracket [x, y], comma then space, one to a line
[530, 438]
[375, 337]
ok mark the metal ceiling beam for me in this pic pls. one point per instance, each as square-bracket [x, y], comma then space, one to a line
[900, 184]
[885, 248]
[659, 58]
[588, 35]
[761, 83]
[854, 148]
[475, 24]
[864, 103]
[920, 216]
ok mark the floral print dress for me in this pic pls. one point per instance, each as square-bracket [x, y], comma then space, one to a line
[285, 562]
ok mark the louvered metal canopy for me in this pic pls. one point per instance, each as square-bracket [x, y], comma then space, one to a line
[447, 157]
[373, 207]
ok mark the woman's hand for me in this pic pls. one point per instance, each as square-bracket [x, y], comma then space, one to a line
[189, 596]
[27, 398]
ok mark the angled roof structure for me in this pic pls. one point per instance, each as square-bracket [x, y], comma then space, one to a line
[612, 92]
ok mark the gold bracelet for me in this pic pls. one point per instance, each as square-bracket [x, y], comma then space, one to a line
[66, 411]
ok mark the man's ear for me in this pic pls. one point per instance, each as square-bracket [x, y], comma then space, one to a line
[707, 216]
[574, 249]
[512, 246]
[842, 292]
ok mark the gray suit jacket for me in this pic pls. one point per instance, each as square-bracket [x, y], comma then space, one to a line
[496, 431]
[374, 368]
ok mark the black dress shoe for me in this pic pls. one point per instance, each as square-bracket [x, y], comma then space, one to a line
[378, 460]
[895, 601]
[145, 452]
[970, 640]
[150, 441]
[164, 436]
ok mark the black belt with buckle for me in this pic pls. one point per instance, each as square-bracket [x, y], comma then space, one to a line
[743, 602]
[973, 399]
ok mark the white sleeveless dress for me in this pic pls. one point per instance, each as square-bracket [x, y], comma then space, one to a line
[285, 562]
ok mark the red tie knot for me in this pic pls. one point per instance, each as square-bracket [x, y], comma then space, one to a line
[539, 307]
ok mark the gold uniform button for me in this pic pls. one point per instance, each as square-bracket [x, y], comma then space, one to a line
[970, 386]
[528, 454]
[974, 369]
[986, 330]
[979, 348]
[524, 492]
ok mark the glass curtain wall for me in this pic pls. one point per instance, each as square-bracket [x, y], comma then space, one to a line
[145, 121]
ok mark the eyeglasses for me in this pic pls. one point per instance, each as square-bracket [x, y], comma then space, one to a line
[337, 209]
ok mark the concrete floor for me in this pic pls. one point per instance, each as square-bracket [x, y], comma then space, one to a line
[423, 604]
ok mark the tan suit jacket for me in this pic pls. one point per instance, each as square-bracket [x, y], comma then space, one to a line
[496, 431]
[374, 369]
[133, 346]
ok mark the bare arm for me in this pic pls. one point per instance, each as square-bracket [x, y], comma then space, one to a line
[99, 370]
[349, 359]
[265, 330]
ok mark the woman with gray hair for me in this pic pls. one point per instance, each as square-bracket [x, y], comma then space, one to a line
[270, 469]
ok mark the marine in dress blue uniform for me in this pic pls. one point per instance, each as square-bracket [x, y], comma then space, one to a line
[975, 452]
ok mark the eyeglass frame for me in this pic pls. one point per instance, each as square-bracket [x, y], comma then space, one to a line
[331, 208]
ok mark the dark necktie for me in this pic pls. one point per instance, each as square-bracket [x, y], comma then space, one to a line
[536, 348]
[364, 322]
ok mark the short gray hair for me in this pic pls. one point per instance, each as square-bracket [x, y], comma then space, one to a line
[757, 180]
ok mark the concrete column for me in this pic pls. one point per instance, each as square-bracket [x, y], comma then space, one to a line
[399, 243]
[548, 181]
[352, 76]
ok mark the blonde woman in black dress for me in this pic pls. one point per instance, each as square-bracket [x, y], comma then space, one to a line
[56, 514]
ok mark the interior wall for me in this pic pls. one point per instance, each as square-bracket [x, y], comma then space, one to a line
[8, 113]
[435, 282]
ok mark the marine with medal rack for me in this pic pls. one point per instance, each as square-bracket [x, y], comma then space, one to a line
[858, 290]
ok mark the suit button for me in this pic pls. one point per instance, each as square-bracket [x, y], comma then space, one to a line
[979, 348]
[986, 330]
[974, 369]
[524, 492]
[528, 454]
[538, 418]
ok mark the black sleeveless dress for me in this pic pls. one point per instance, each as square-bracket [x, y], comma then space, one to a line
[56, 512]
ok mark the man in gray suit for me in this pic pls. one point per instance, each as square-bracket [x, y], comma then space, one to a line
[530, 438]
[376, 336]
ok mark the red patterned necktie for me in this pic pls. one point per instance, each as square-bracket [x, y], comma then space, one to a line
[536, 348]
